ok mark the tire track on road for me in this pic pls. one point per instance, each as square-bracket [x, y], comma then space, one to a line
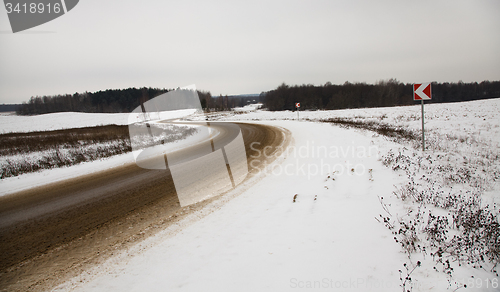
[126, 204]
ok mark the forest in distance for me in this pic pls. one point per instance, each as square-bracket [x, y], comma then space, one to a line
[329, 96]
[385, 93]
[119, 101]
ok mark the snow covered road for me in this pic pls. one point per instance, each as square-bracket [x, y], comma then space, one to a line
[77, 222]
[265, 240]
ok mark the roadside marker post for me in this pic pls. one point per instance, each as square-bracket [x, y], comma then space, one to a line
[423, 130]
[297, 106]
[422, 92]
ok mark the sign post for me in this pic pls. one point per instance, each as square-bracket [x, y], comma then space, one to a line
[422, 92]
[423, 130]
[297, 106]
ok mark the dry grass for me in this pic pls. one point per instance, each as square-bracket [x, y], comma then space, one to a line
[30, 152]
[380, 128]
[22, 143]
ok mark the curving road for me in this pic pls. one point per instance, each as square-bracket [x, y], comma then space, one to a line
[53, 232]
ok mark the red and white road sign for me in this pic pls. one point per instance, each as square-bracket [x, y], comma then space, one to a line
[297, 104]
[422, 91]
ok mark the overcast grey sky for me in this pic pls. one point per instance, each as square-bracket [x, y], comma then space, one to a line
[234, 47]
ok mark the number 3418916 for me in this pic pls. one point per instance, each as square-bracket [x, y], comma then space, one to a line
[33, 8]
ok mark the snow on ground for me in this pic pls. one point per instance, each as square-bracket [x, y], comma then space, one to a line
[58, 121]
[473, 120]
[258, 238]
[48, 122]
[19, 124]
[263, 241]
[12, 123]
[249, 107]
[29, 180]
[35, 179]
[313, 222]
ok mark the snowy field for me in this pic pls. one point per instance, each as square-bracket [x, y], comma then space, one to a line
[58, 121]
[22, 168]
[475, 120]
[342, 209]
[249, 107]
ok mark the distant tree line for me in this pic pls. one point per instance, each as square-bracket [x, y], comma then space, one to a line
[212, 104]
[242, 100]
[385, 93]
[221, 103]
[107, 101]
[329, 96]
[118, 101]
